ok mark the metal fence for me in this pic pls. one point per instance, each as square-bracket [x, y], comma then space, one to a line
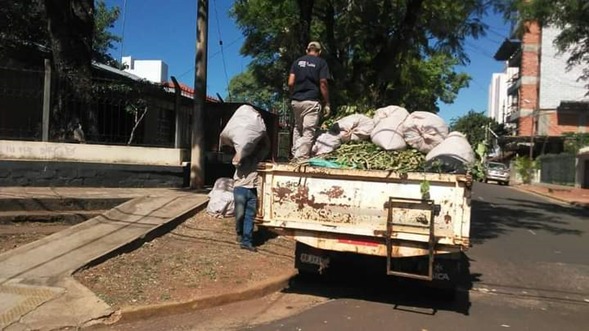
[21, 103]
[110, 115]
[558, 169]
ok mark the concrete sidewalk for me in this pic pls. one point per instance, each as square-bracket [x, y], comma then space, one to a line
[572, 195]
[36, 288]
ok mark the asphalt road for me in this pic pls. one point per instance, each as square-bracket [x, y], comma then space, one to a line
[528, 270]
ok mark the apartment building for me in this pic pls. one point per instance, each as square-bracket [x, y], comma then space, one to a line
[543, 100]
[499, 100]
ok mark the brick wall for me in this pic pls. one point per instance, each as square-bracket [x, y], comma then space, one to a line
[529, 75]
[525, 126]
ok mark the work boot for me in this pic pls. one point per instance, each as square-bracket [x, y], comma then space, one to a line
[248, 248]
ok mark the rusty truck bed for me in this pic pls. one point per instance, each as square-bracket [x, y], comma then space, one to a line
[357, 210]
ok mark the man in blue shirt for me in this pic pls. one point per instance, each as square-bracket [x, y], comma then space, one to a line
[307, 83]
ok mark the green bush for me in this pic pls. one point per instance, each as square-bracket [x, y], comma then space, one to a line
[524, 166]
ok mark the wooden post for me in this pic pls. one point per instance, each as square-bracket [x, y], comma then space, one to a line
[197, 171]
[46, 101]
[178, 141]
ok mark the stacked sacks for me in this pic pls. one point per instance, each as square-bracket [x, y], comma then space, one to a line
[424, 131]
[453, 154]
[355, 127]
[327, 142]
[393, 129]
[243, 132]
[388, 125]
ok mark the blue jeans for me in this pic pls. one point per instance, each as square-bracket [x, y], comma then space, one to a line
[246, 200]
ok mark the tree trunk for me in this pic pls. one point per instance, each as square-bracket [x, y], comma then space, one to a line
[70, 24]
[305, 14]
[397, 49]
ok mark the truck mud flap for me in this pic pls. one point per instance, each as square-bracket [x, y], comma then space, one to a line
[311, 260]
[448, 271]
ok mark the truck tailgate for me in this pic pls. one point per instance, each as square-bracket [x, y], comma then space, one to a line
[335, 202]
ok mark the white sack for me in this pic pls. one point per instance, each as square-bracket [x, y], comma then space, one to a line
[326, 143]
[387, 132]
[355, 127]
[424, 130]
[454, 152]
[388, 111]
[243, 131]
[221, 201]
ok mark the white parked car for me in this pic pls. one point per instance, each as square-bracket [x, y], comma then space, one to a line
[498, 172]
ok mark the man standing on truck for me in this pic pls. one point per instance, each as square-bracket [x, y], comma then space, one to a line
[307, 83]
[245, 193]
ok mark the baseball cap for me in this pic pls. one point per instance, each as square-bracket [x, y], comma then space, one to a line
[314, 44]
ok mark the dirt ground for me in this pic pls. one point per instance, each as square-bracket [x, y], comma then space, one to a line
[13, 235]
[198, 258]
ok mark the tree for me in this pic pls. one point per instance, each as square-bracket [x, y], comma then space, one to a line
[380, 52]
[24, 28]
[103, 39]
[570, 16]
[70, 33]
[474, 125]
[245, 88]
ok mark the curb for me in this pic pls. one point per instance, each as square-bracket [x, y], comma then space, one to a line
[130, 314]
[552, 197]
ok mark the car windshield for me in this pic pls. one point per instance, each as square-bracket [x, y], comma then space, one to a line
[497, 166]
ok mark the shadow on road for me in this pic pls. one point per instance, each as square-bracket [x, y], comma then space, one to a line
[491, 220]
[366, 280]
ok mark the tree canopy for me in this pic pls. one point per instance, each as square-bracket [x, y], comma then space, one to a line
[245, 88]
[103, 39]
[380, 52]
[28, 26]
[474, 125]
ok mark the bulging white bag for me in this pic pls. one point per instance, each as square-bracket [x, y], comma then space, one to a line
[387, 132]
[243, 131]
[221, 201]
[355, 127]
[388, 111]
[326, 143]
[455, 152]
[424, 131]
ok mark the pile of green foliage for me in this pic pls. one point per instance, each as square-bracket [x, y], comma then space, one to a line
[368, 156]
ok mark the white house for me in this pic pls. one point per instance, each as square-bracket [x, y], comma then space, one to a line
[155, 71]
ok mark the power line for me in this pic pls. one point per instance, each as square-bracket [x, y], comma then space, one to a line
[222, 52]
[210, 57]
[494, 30]
[228, 45]
[474, 48]
[123, 28]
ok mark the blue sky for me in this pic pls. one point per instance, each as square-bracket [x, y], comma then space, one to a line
[154, 31]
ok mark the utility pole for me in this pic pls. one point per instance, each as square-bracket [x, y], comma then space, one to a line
[197, 157]
[533, 125]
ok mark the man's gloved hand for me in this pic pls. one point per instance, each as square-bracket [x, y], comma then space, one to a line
[326, 111]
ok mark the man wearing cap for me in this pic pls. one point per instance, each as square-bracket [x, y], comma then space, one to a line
[307, 83]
